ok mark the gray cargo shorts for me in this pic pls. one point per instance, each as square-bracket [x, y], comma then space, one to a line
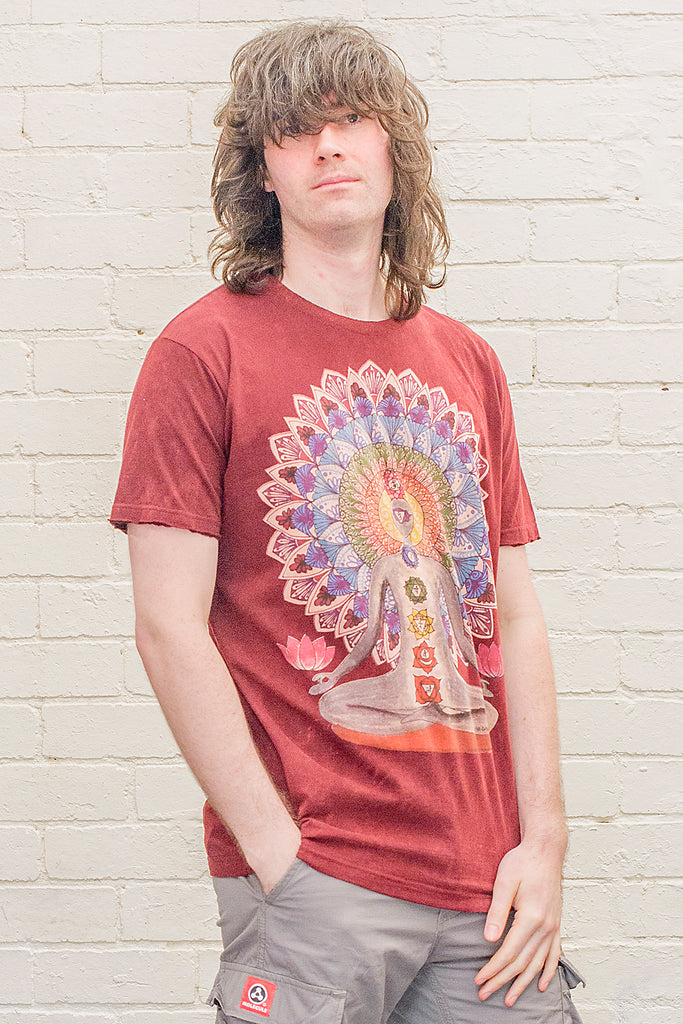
[317, 950]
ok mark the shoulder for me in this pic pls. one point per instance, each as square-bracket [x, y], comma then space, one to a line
[206, 328]
[211, 318]
[462, 341]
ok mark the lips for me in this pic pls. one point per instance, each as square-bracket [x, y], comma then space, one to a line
[337, 179]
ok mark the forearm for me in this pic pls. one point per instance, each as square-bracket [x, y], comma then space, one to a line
[529, 876]
[532, 713]
[203, 710]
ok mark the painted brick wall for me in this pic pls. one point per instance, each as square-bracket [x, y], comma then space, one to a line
[559, 134]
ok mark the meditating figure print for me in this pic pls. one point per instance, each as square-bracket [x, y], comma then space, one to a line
[426, 686]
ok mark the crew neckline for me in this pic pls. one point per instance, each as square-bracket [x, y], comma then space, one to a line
[299, 303]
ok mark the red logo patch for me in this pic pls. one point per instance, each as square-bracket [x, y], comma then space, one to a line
[258, 996]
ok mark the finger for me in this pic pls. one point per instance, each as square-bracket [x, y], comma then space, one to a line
[504, 892]
[526, 976]
[515, 942]
[321, 684]
[512, 969]
[550, 963]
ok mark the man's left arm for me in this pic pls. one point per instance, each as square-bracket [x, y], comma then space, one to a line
[529, 876]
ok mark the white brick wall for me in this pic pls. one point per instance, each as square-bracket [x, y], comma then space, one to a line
[559, 142]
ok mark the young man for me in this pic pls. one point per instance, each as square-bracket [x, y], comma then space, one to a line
[327, 520]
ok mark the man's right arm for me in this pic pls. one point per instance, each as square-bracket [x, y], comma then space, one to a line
[174, 573]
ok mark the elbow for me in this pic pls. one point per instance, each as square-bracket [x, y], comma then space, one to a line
[153, 632]
[157, 632]
[149, 638]
[163, 646]
[144, 636]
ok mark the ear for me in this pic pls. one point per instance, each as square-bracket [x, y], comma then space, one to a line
[267, 183]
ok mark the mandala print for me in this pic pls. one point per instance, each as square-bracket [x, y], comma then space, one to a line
[330, 506]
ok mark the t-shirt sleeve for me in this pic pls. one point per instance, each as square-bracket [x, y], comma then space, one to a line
[517, 520]
[175, 445]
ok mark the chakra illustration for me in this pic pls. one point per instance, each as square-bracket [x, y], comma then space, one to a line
[366, 457]
[421, 624]
[424, 657]
[416, 590]
[427, 690]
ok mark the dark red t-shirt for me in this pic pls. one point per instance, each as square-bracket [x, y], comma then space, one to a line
[360, 478]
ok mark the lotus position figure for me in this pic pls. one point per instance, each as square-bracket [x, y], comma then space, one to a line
[425, 687]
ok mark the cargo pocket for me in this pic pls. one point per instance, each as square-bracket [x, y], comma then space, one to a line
[569, 979]
[245, 994]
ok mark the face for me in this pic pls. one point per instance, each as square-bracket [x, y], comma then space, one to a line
[403, 517]
[339, 179]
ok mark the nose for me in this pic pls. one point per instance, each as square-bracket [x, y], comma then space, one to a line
[329, 142]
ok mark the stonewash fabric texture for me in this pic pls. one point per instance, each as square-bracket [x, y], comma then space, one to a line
[360, 479]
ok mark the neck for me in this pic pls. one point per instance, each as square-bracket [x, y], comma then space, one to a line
[343, 278]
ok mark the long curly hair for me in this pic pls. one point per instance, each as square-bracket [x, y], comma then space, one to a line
[282, 77]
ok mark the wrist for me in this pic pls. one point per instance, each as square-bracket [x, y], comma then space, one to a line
[272, 849]
[547, 835]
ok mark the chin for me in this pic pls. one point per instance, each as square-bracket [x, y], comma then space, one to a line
[351, 220]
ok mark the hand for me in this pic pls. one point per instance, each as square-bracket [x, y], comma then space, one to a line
[324, 682]
[528, 880]
[280, 855]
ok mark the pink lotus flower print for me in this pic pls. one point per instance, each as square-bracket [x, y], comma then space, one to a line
[306, 654]
[490, 660]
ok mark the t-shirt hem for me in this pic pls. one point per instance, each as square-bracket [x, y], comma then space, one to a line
[513, 538]
[122, 515]
[475, 900]
[430, 896]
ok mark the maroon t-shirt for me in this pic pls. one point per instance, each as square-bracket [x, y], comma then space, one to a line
[360, 478]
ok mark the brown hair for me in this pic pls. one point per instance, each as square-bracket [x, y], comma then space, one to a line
[282, 77]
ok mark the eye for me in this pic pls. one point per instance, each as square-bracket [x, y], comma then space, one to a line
[353, 117]
[292, 131]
